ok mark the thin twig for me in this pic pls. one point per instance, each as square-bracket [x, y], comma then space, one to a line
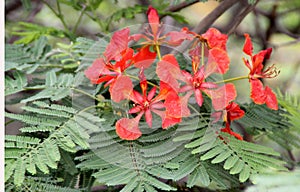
[79, 19]
[240, 18]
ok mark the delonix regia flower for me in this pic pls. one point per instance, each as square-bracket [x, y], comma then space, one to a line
[172, 86]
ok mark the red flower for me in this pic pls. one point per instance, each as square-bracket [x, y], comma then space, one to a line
[259, 93]
[145, 104]
[215, 39]
[117, 58]
[144, 58]
[230, 113]
[154, 36]
[228, 130]
[101, 71]
[221, 96]
[128, 129]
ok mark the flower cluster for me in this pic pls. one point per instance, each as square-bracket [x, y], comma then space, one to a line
[170, 98]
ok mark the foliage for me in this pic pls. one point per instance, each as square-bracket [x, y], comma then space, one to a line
[74, 135]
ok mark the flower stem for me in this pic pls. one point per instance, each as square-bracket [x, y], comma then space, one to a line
[134, 77]
[158, 51]
[232, 79]
[202, 53]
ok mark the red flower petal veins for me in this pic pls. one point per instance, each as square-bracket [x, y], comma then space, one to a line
[153, 19]
[128, 129]
[175, 38]
[215, 38]
[118, 43]
[169, 71]
[218, 61]
[121, 89]
[222, 96]
[95, 70]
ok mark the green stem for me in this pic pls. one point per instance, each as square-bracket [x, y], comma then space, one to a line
[9, 122]
[79, 20]
[95, 18]
[232, 79]
[158, 51]
[61, 17]
[74, 89]
[202, 54]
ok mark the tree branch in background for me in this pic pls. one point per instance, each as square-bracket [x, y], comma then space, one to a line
[214, 15]
[182, 5]
[238, 19]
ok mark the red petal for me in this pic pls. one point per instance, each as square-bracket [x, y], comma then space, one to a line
[248, 48]
[185, 111]
[170, 121]
[177, 37]
[118, 43]
[135, 109]
[222, 96]
[164, 90]
[167, 121]
[168, 71]
[215, 38]
[199, 97]
[128, 128]
[95, 70]
[257, 92]
[218, 61]
[228, 130]
[136, 97]
[144, 58]
[153, 19]
[268, 53]
[271, 100]
[124, 63]
[121, 89]
[234, 111]
[173, 105]
[216, 116]
[151, 93]
[148, 117]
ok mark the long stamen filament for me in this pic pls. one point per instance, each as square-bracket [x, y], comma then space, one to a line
[232, 79]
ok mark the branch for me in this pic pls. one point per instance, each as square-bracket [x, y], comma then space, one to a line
[181, 6]
[237, 20]
[214, 15]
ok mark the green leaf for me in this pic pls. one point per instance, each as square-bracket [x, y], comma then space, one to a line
[19, 174]
[9, 169]
[229, 163]
[221, 157]
[245, 173]
[237, 168]
[203, 175]
[212, 153]
[16, 83]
